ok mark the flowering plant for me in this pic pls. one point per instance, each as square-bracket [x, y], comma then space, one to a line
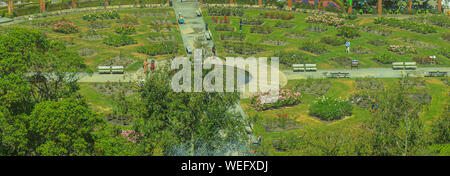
[329, 20]
[65, 27]
[275, 99]
[329, 109]
[277, 15]
[224, 19]
[131, 135]
[347, 30]
[401, 49]
[126, 29]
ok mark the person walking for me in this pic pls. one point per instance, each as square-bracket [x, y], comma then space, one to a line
[240, 25]
[214, 50]
[347, 46]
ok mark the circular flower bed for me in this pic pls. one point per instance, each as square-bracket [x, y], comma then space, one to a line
[65, 27]
[330, 109]
[270, 100]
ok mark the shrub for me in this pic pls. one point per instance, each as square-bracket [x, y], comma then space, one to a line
[159, 48]
[348, 31]
[117, 41]
[224, 27]
[329, 20]
[332, 40]
[293, 57]
[126, 29]
[101, 15]
[330, 109]
[446, 36]
[386, 58]
[401, 49]
[314, 47]
[65, 27]
[270, 100]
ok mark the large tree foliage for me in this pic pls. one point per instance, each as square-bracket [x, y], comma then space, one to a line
[194, 119]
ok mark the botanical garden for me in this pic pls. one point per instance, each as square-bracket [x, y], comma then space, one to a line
[93, 77]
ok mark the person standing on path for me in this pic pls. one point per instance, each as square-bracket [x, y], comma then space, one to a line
[240, 25]
[214, 50]
[347, 46]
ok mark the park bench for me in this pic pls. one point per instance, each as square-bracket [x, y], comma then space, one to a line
[117, 69]
[355, 63]
[304, 67]
[207, 35]
[104, 69]
[436, 74]
[339, 75]
[199, 13]
[404, 65]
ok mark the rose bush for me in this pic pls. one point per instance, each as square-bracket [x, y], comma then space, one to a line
[65, 27]
[270, 100]
[126, 29]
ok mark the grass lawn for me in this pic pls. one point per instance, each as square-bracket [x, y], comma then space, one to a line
[425, 44]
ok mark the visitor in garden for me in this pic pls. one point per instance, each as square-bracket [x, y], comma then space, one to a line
[214, 50]
[240, 25]
[152, 65]
[145, 65]
[347, 46]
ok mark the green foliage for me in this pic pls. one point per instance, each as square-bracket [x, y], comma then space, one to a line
[293, 57]
[66, 28]
[386, 58]
[221, 11]
[330, 109]
[101, 16]
[332, 40]
[314, 47]
[159, 48]
[348, 31]
[441, 128]
[405, 24]
[126, 29]
[119, 40]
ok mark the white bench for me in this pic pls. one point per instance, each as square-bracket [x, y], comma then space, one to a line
[199, 13]
[404, 65]
[188, 50]
[117, 69]
[304, 67]
[104, 69]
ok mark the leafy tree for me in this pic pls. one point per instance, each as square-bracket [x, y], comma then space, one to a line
[441, 128]
[396, 129]
[196, 119]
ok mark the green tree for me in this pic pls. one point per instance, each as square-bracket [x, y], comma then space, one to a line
[196, 119]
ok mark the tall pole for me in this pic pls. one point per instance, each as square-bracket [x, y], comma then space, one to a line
[350, 6]
[380, 6]
[74, 4]
[106, 3]
[231, 1]
[409, 6]
[10, 6]
[290, 3]
[439, 3]
[260, 2]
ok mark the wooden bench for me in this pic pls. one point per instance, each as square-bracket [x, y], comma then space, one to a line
[436, 74]
[404, 65]
[117, 69]
[104, 69]
[339, 75]
[199, 13]
[304, 67]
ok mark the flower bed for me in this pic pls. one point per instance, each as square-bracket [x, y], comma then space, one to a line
[90, 35]
[224, 27]
[86, 52]
[281, 122]
[220, 20]
[325, 19]
[405, 24]
[284, 25]
[316, 87]
[402, 49]
[378, 30]
[65, 27]
[342, 60]
[377, 42]
[252, 20]
[360, 50]
[159, 48]
[316, 28]
[296, 35]
[117, 41]
[261, 29]
[348, 31]
[292, 57]
[126, 29]
[268, 100]
[277, 15]
[274, 42]
[368, 84]
[220, 11]
[232, 36]
[314, 47]
[243, 48]
[101, 16]
[159, 37]
[332, 40]
[118, 60]
[330, 109]
[386, 58]
[426, 60]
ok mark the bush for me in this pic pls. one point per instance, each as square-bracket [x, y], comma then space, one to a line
[402, 49]
[348, 31]
[332, 40]
[446, 36]
[269, 100]
[65, 27]
[386, 58]
[261, 29]
[159, 48]
[330, 109]
[405, 24]
[329, 20]
[293, 57]
[101, 15]
[220, 11]
[126, 29]
[314, 47]
[117, 41]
